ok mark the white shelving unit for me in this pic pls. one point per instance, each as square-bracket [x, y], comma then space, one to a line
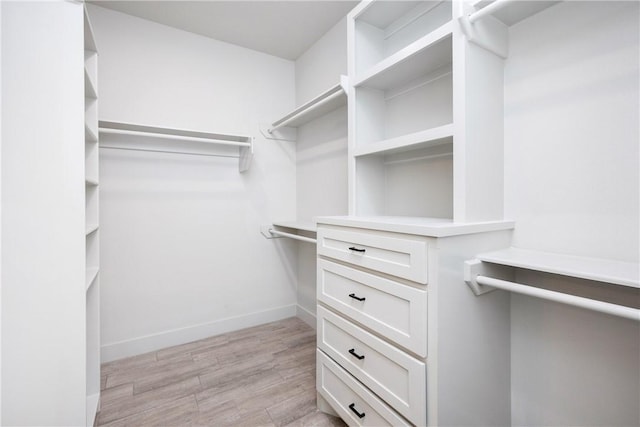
[426, 132]
[401, 110]
[92, 221]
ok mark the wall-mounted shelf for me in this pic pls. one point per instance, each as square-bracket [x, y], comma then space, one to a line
[509, 12]
[309, 226]
[480, 275]
[193, 142]
[600, 270]
[291, 230]
[329, 100]
[486, 23]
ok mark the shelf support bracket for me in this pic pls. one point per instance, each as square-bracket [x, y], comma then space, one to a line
[474, 268]
[488, 33]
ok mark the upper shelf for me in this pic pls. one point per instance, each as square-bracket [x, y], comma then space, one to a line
[327, 101]
[244, 143]
[601, 270]
[509, 12]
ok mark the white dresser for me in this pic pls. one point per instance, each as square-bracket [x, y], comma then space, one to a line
[401, 339]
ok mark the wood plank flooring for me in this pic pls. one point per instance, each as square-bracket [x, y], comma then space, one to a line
[261, 376]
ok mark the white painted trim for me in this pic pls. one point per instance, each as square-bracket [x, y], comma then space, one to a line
[0, 215]
[143, 344]
[306, 316]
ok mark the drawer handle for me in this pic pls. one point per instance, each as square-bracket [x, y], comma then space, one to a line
[356, 355]
[353, 248]
[356, 297]
[355, 411]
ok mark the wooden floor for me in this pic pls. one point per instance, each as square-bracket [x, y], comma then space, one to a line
[262, 376]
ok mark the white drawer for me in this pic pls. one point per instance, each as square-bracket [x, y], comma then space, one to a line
[396, 311]
[399, 255]
[397, 378]
[347, 396]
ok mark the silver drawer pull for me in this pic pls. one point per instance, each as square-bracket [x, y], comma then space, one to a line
[353, 248]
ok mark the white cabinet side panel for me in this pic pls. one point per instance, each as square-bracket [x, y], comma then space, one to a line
[43, 275]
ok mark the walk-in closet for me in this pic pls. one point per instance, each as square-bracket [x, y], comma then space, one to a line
[320, 213]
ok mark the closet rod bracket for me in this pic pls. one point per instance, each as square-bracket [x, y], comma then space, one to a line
[474, 268]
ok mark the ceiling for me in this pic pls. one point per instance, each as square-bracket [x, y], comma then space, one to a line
[281, 28]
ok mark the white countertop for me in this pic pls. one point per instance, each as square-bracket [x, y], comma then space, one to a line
[431, 227]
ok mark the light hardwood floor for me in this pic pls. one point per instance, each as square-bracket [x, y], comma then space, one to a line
[261, 376]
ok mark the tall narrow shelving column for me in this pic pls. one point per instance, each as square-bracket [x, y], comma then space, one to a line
[425, 114]
[91, 221]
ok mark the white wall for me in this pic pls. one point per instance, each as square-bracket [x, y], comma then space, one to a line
[182, 255]
[43, 236]
[319, 67]
[572, 186]
[321, 152]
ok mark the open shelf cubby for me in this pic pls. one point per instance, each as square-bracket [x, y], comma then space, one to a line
[405, 108]
[387, 28]
[416, 181]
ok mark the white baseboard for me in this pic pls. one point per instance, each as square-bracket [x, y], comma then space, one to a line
[306, 316]
[147, 343]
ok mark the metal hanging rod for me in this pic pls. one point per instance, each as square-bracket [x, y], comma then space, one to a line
[600, 306]
[165, 151]
[292, 236]
[488, 10]
[174, 137]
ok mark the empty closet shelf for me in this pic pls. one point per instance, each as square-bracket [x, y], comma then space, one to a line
[327, 101]
[496, 270]
[134, 137]
[291, 230]
[509, 11]
[598, 269]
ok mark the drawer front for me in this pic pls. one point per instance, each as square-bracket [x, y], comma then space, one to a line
[397, 312]
[397, 378]
[404, 256]
[346, 396]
